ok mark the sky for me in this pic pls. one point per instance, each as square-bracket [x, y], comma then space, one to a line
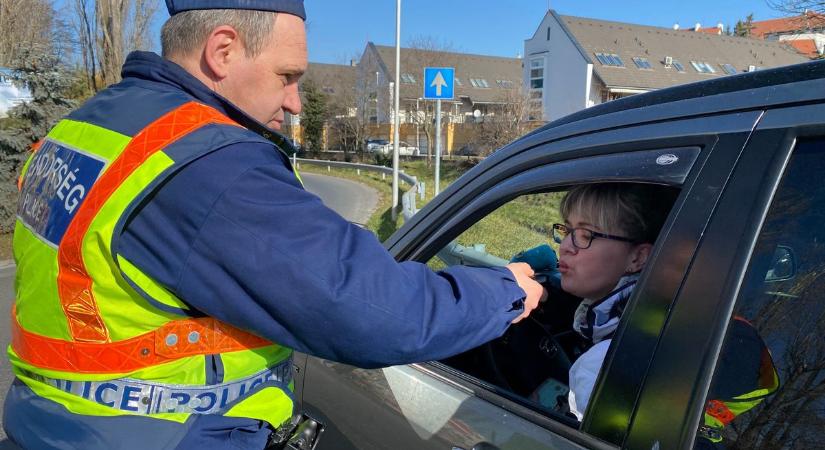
[338, 30]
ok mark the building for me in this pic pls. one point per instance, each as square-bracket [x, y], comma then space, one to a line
[805, 32]
[481, 82]
[338, 82]
[571, 63]
[484, 85]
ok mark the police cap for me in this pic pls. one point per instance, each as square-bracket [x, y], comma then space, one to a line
[294, 7]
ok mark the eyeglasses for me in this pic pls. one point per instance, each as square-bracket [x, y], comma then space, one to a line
[582, 237]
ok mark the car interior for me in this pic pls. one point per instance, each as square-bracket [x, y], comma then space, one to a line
[540, 350]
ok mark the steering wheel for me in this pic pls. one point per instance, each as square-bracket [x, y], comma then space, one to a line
[534, 349]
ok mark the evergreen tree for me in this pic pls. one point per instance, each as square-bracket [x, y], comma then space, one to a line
[743, 27]
[314, 115]
[49, 84]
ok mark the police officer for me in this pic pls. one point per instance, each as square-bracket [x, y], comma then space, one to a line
[169, 259]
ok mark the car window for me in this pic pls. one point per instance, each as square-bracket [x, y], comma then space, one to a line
[520, 224]
[768, 387]
[532, 361]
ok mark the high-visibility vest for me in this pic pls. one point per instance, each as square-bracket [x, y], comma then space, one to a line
[753, 386]
[89, 329]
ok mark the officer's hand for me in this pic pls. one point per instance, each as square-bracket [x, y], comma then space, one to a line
[535, 291]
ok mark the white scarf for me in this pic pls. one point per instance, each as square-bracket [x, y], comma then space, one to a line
[596, 320]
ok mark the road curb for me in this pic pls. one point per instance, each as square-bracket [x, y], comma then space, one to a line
[5, 264]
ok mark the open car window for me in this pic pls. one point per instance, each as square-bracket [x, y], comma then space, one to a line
[523, 223]
[532, 361]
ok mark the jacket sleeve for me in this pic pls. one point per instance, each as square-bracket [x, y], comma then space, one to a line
[245, 243]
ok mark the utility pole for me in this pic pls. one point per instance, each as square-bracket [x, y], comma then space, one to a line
[396, 116]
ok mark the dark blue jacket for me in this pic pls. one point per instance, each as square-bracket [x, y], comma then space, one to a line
[235, 235]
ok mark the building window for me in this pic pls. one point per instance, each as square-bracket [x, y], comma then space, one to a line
[679, 67]
[729, 69]
[610, 59]
[506, 84]
[641, 63]
[702, 67]
[457, 81]
[536, 92]
[407, 78]
[328, 90]
[548, 33]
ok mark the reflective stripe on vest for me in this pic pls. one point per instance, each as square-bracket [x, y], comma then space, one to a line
[91, 349]
[176, 339]
[144, 397]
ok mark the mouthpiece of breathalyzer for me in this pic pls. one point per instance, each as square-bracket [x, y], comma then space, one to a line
[544, 262]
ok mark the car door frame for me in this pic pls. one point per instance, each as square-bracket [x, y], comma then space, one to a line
[711, 286]
[711, 168]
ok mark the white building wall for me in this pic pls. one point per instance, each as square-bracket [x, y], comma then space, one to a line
[596, 88]
[565, 88]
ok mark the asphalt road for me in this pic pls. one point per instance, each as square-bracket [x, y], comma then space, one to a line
[353, 201]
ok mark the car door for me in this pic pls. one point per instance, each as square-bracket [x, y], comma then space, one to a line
[435, 405]
[759, 267]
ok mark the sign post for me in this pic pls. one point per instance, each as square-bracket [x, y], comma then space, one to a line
[438, 85]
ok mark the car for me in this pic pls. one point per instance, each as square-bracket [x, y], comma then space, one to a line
[744, 243]
[404, 149]
[373, 145]
[470, 149]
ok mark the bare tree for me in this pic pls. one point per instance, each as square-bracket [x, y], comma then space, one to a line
[506, 122]
[25, 24]
[348, 120]
[107, 30]
[797, 7]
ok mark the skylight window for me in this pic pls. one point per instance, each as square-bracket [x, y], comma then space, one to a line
[457, 81]
[407, 78]
[729, 69]
[679, 67]
[610, 59]
[479, 82]
[641, 63]
[702, 67]
[506, 84]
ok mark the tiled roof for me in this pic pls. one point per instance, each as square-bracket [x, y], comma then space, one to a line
[806, 47]
[502, 75]
[801, 22]
[654, 43]
[714, 30]
[331, 78]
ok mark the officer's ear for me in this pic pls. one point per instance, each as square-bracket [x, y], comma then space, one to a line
[223, 46]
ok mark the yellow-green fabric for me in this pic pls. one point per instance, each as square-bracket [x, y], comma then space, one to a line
[125, 312]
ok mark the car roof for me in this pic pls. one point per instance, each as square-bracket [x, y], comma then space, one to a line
[750, 81]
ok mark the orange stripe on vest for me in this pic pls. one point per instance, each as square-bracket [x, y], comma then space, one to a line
[176, 339]
[73, 281]
[720, 411]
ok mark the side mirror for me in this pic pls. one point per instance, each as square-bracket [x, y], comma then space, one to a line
[783, 265]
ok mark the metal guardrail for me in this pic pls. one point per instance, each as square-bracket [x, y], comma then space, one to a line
[408, 208]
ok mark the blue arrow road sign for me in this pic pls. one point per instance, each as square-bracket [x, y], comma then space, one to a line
[438, 82]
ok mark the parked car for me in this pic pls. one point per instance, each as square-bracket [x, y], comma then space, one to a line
[404, 149]
[744, 241]
[373, 145]
[470, 150]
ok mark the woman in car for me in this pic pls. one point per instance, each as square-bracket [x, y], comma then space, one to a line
[605, 241]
